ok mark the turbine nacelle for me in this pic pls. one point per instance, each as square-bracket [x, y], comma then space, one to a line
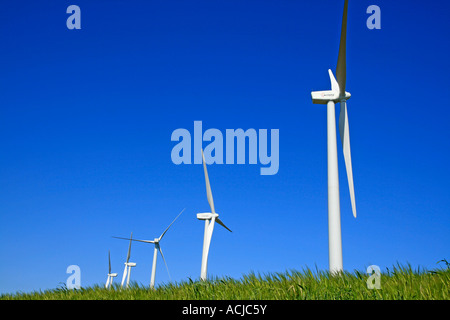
[322, 97]
[130, 264]
[206, 216]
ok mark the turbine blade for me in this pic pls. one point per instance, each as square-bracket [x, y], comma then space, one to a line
[124, 276]
[128, 276]
[345, 139]
[120, 238]
[207, 241]
[334, 83]
[208, 186]
[145, 241]
[109, 260]
[129, 248]
[222, 224]
[160, 251]
[170, 224]
[341, 62]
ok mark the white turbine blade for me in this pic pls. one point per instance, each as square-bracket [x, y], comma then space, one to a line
[128, 276]
[109, 260]
[160, 251]
[120, 238]
[170, 225]
[107, 282]
[334, 83]
[124, 275]
[145, 241]
[222, 224]
[345, 139]
[129, 248]
[208, 186]
[209, 233]
[341, 63]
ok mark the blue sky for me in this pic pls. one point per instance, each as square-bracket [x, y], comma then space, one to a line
[86, 118]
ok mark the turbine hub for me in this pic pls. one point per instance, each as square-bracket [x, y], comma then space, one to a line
[346, 97]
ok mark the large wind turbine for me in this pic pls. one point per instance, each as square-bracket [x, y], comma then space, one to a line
[330, 98]
[155, 252]
[111, 276]
[128, 265]
[210, 218]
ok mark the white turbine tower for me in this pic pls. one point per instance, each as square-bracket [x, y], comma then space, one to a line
[330, 98]
[155, 252]
[210, 218]
[128, 265]
[111, 276]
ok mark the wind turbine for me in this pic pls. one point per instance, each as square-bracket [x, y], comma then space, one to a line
[210, 218]
[128, 265]
[337, 94]
[111, 276]
[155, 252]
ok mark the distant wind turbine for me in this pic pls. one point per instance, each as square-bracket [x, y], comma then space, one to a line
[128, 265]
[210, 218]
[111, 276]
[155, 252]
[330, 98]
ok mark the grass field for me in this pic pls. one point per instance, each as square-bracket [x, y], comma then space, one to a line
[400, 283]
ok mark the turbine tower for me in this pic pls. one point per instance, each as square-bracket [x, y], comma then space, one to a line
[111, 276]
[210, 218]
[155, 252]
[128, 265]
[337, 94]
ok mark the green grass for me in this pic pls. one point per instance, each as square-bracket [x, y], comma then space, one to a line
[400, 283]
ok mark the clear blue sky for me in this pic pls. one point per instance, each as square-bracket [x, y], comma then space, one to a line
[86, 118]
